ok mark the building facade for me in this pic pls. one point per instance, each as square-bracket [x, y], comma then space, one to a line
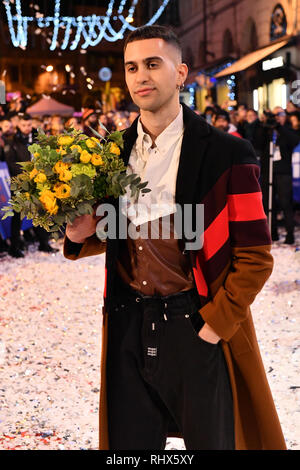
[217, 33]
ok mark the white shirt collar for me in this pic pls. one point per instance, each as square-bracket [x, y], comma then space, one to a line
[165, 140]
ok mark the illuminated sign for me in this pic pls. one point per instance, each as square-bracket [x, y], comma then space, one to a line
[86, 30]
[273, 63]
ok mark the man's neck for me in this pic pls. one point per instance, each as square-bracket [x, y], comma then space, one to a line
[154, 123]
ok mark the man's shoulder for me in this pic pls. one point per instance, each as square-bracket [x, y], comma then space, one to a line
[238, 149]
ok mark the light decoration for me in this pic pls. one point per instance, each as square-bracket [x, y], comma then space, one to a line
[90, 30]
[232, 87]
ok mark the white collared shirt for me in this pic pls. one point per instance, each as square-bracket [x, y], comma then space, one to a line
[158, 166]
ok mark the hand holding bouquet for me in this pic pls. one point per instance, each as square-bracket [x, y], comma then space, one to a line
[67, 175]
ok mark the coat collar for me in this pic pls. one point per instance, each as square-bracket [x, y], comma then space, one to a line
[193, 149]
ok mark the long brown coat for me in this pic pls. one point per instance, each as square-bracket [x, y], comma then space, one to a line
[221, 172]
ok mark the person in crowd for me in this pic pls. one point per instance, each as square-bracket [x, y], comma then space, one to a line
[291, 107]
[37, 123]
[56, 125]
[74, 123]
[241, 117]
[13, 117]
[285, 140]
[208, 114]
[90, 119]
[295, 121]
[18, 152]
[46, 120]
[222, 122]
[121, 121]
[255, 132]
[6, 128]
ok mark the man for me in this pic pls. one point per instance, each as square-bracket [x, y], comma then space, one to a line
[241, 117]
[17, 152]
[89, 119]
[285, 140]
[176, 322]
[222, 122]
[295, 121]
[255, 133]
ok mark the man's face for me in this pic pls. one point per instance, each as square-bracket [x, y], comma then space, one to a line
[25, 126]
[242, 112]
[280, 115]
[222, 124]
[15, 121]
[92, 119]
[6, 127]
[153, 70]
[251, 117]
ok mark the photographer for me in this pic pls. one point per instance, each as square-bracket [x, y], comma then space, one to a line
[285, 140]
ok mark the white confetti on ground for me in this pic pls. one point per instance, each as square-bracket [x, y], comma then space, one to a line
[50, 335]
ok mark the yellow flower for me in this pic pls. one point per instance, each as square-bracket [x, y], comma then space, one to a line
[62, 191]
[27, 195]
[85, 156]
[33, 173]
[114, 149]
[65, 175]
[40, 178]
[36, 154]
[61, 151]
[96, 159]
[65, 140]
[48, 200]
[60, 166]
[91, 143]
[76, 147]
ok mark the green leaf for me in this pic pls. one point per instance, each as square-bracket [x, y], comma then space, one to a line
[7, 214]
[96, 133]
[117, 137]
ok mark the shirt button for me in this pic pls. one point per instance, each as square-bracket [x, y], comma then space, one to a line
[140, 248]
[144, 283]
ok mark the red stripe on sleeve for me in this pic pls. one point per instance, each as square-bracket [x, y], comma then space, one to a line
[199, 278]
[245, 207]
[216, 234]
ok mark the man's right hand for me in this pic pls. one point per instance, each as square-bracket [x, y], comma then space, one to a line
[82, 228]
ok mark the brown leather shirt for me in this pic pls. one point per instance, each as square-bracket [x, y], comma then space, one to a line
[155, 266]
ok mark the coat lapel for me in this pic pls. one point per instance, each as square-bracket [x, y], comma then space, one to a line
[193, 150]
[194, 145]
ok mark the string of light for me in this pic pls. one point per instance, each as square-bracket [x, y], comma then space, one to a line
[90, 30]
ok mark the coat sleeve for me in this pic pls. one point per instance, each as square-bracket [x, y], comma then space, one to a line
[91, 247]
[251, 260]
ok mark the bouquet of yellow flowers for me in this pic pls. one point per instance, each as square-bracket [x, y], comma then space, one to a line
[67, 175]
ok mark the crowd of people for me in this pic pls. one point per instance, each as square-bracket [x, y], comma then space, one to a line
[282, 127]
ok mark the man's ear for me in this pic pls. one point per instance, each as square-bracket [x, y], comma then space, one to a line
[183, 71]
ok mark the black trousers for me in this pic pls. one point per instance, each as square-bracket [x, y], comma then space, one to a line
[160, 373]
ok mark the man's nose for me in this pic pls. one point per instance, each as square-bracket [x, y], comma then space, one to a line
[142, 75]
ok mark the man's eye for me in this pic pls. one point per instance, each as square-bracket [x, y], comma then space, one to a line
[152, 65]
[131, 69]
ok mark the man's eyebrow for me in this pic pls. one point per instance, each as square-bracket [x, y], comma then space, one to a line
[132, 62]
